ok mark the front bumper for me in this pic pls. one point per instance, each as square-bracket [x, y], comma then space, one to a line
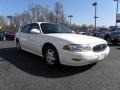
[82, 58]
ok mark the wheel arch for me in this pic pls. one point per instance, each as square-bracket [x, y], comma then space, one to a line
[47, 45]
[17, 39]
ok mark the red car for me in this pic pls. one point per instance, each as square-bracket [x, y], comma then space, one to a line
[10, 36]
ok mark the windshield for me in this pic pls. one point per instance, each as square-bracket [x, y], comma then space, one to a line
[54, 28]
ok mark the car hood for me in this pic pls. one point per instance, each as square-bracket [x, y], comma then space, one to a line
[77, 38]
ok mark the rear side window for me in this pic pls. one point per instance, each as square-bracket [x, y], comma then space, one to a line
[25, 29]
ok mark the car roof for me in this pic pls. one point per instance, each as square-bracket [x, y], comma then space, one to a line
[43, 22]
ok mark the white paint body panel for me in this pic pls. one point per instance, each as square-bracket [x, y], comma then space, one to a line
[34, 43]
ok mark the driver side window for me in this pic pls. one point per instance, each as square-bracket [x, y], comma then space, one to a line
[35, 26]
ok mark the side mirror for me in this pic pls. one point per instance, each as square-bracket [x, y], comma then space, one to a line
[34, 31]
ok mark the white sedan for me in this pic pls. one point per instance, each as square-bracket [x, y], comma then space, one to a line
[59, 45]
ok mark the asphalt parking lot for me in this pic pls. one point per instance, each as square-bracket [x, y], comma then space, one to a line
[25, 71]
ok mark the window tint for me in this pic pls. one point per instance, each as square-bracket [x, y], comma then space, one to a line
[35, 26]
[25, 29]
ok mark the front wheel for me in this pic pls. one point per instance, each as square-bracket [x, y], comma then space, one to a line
[51, 56]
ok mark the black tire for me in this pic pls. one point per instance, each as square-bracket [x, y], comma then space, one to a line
[51, 56]
[18, 46]
[107, 38]
[4, 38]
[114, 42]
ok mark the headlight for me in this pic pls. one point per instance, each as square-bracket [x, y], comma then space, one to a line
[77, 47]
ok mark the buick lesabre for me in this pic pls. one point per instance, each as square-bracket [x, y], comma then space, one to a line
[59, 45]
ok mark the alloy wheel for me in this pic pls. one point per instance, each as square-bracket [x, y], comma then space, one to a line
[50, 56]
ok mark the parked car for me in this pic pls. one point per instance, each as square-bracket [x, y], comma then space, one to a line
[2, 36]
[59, 45]
[103, 33]
[10, 36]
[83, 33]
[115, 36]
[92, 33]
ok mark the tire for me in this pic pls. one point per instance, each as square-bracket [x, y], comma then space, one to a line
[51, 56]
[4, 38]
[107, 38]
[114, 42]
[18, 46]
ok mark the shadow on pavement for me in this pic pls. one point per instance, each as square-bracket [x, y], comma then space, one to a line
[114, 45]
[35, 65]
[118, 48]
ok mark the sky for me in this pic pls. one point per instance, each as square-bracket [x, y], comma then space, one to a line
[82, 10]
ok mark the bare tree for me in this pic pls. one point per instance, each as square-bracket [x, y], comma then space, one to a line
[46, 13]
[32, 11]
[16, 19]
[84, 28]
[91, 27]
[38, 12]
[25, 18]
[59, 12]
[2, 20]
[51, 17]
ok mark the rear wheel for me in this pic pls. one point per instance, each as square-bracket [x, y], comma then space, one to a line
[18, 47]
[51, 56]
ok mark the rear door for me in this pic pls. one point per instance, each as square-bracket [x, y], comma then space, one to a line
[23, 36]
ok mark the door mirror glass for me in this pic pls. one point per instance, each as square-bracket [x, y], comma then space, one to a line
[34, 31]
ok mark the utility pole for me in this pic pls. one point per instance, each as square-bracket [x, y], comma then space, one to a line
[10, 19]
[70, 16]
[117, 10]
[95, 5]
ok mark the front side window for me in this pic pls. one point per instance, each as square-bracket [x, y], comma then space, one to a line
[54, 28]
[35, 26]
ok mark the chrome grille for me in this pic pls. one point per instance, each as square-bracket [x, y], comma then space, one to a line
[100, 47]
